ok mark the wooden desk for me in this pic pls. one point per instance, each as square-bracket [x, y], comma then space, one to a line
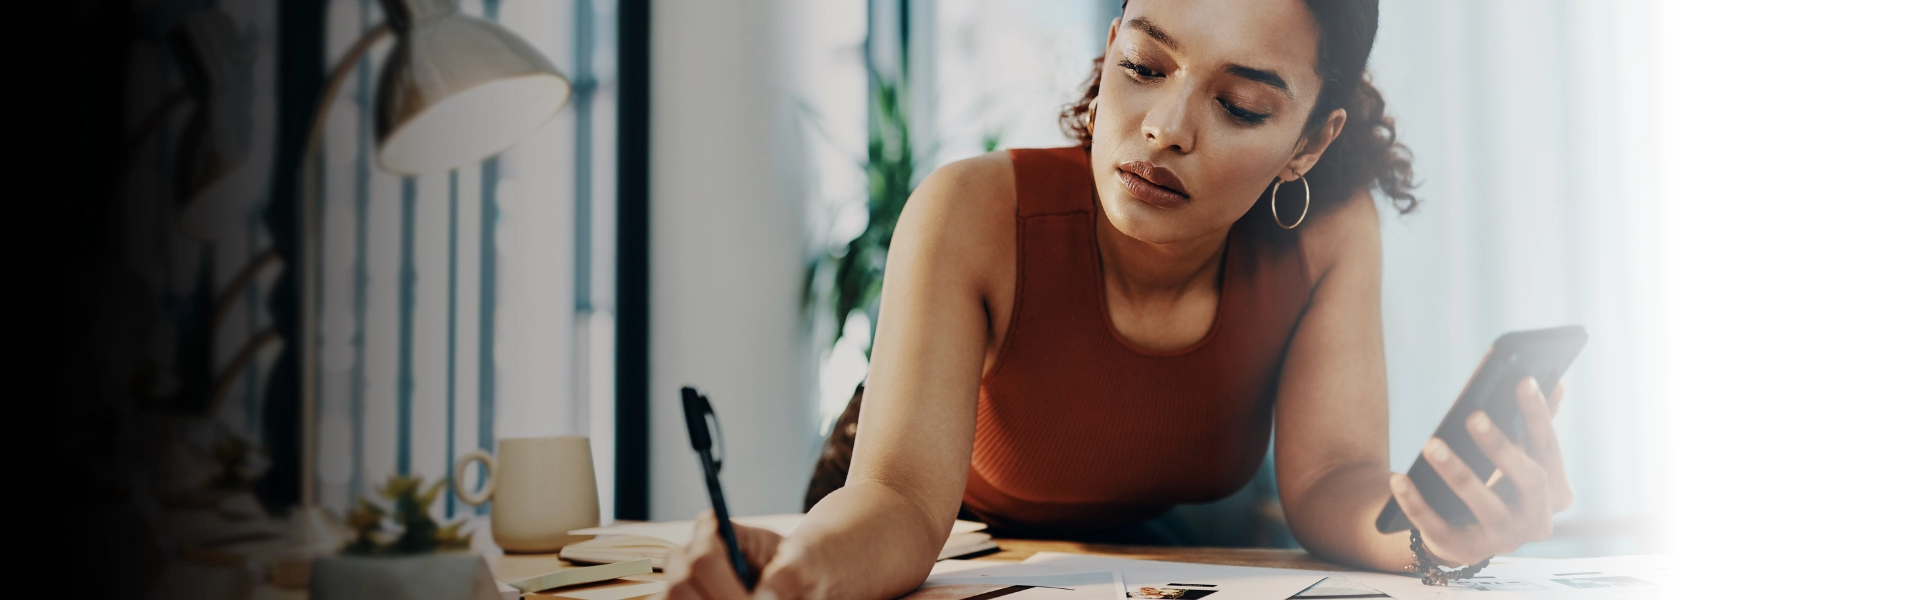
[516, 566]
[1019, 550]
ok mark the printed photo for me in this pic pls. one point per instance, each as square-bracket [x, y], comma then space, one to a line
[1184, 591]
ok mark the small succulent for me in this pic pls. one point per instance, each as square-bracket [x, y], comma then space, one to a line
[407, 527]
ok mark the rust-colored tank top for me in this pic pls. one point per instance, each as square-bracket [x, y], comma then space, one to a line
[1080, 431]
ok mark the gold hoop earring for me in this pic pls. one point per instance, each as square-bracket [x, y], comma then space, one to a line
[1273, 199]
[1086, 120]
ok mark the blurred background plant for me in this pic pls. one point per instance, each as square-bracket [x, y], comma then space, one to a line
[403, 525]
[854, 270]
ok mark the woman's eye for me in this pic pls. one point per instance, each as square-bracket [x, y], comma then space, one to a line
[1140, 71]
[1243, 115]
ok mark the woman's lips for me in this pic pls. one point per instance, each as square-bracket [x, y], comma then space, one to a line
[1154, 184]
[1147, 192]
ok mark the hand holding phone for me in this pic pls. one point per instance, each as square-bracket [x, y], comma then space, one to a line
[1502, 423]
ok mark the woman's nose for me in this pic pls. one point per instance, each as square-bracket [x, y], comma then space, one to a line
[1168, 126]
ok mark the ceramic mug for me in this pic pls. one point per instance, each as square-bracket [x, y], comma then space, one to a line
[541, 487]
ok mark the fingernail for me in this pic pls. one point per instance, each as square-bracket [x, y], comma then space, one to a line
[1479, 422]
[1535, 384]
[1399, 484]
[1437, 451]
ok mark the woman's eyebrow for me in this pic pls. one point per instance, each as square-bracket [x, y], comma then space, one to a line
[1261, 76]
[1142, 25]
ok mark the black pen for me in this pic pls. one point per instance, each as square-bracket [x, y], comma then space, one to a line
[698, 410]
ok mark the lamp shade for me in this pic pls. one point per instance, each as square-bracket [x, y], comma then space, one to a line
[457, 89]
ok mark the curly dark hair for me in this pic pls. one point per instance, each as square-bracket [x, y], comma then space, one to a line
[1368, 151]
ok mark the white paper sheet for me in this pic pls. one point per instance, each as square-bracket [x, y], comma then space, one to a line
[1539, 578]
[1209, 582]
[961, 580]
[681, 531]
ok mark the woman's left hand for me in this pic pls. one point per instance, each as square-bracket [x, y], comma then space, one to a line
[1512, 508]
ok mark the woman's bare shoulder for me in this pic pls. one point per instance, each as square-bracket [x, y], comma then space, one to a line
[1349, 232]
[965, 205]
[960, 220]
[973, 189]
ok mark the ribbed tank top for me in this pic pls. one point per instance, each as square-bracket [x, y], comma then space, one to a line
[1080, 431]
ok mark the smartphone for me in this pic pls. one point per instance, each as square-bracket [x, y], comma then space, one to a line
[1542, 354]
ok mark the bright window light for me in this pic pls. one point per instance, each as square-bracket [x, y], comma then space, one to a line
[1788, 144]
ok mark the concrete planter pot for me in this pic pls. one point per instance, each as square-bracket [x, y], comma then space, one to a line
[418, 577]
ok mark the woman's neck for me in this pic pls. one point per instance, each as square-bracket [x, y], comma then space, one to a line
[1149, 271]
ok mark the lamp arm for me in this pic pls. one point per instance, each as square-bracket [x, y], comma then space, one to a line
[230, 296]
[129, 155]
[237, 366]
[336, 79]
[144, 131]
[310, 232]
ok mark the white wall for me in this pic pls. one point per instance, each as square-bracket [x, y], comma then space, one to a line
[1006, 68]
[728, 237]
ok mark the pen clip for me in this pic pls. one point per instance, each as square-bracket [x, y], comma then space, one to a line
[699, 413]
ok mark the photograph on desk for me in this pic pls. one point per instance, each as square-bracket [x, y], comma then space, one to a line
[797, 299]
[1173, 590]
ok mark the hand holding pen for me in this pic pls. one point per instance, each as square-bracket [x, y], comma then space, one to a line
[721, 562]
[698, 412]
[703, 569]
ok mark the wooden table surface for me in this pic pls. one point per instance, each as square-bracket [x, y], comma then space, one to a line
[1018, 550]
[515, 566]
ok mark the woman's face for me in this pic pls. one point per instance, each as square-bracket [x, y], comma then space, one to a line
[1202, 103]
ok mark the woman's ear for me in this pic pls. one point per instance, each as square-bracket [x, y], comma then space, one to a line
[1315, 144]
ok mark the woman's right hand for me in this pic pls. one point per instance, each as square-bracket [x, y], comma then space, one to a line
[701, 570]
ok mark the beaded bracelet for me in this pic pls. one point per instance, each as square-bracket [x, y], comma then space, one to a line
[1432, 574]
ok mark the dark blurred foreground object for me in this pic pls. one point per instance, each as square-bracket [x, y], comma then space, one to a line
[147, 479]
[836, 454]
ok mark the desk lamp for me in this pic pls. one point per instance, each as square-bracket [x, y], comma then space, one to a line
[455, 90]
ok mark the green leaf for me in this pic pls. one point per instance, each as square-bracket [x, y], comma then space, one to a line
[426, 497]
[419, 531]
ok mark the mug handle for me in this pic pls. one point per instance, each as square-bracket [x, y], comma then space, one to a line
[460, 478]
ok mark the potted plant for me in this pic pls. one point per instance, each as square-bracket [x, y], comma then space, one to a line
[400, 551]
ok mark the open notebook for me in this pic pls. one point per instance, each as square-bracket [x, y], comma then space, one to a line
[655, 540]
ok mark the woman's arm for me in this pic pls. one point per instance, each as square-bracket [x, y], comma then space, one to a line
[1331, 427]
[916, 425]
[878, 536]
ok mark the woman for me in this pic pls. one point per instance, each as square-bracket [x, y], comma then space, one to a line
[1074, 340]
